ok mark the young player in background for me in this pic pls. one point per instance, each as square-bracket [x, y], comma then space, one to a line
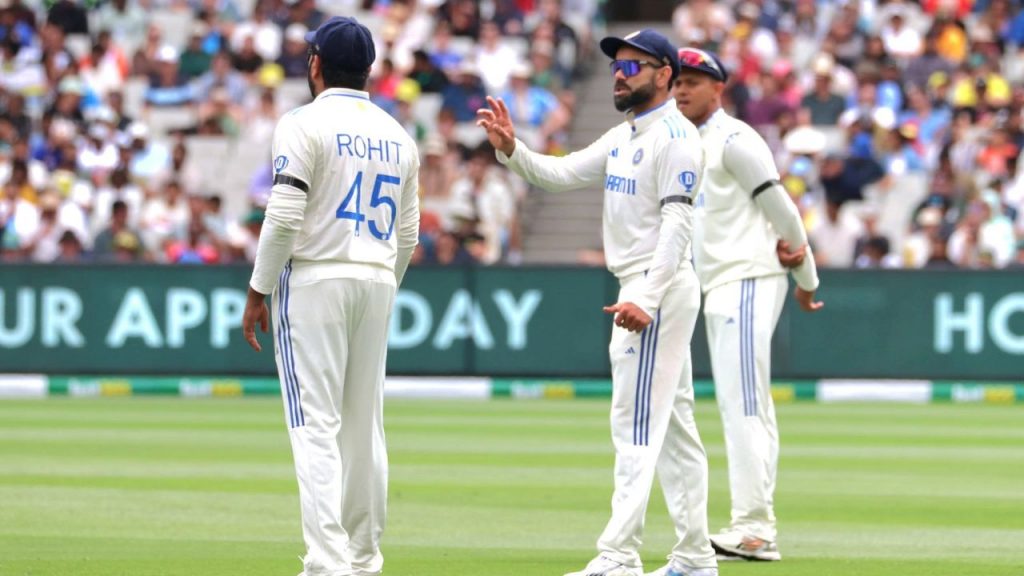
[742, 210]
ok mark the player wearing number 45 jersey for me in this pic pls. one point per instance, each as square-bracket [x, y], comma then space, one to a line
[649, 167]
[340, 229]
[742, 211]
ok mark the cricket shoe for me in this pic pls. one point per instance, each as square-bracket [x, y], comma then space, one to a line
[674, 568]
[604, 566]
[740, 545]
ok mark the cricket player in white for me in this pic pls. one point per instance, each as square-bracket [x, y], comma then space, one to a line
[742, 211]
[649, 167]
[341, 225]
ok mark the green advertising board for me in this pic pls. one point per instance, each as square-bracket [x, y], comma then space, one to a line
[525, 321]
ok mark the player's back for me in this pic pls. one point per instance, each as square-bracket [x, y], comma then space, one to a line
[733, 239]
[364, 172]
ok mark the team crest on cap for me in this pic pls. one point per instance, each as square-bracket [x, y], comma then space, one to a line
[638, 156]
[280, 163]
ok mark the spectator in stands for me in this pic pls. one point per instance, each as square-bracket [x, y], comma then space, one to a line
[125, 21]
[69, 16]
[167, 87]
[427, 74]
[97, 154]
[219, 116]
[119, 190]
[917, 248]
[195, 60]
[533, 107]
[921, 68]
[769, 105]
[37, 173]
[266, 35]
[198, 247]
[115, 101]
[438, 172]
[548, 16]
[462, 17]
[494, 59]
[14, 112]
[293, 57]
[482, 200]
[900, 40]
[834, 237]
[221, 75]
[466, 95]
[69, 249]
[442, 54]
[247, 60]
[113, 241]
[106, 67]
[449, 251]
[164, 217]
[824, 106]
[149, 158]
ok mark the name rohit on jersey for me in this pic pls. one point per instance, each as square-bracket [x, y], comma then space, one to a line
[620, 184]
[367, 148]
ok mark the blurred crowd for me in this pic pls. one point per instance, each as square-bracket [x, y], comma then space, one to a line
[897, 125]
[103, 104]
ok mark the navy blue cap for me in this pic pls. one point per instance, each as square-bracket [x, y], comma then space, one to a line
[646, 40]
[702, 61]
[343, 42]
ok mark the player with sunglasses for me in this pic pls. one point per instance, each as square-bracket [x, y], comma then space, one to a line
[649, 167]
[742, 211]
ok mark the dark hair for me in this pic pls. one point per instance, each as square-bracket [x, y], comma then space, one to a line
[118, 206]
[335, 77]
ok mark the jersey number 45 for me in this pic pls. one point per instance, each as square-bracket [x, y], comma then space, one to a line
[377, 199]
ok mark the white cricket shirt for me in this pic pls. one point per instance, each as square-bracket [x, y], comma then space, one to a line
[648, 163]
[345, 192]
[734, 237]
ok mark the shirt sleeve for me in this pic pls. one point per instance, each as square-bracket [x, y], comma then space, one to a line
[409, 221]
[749, 160]
[585, 167]
[293, 166]
[680, 164]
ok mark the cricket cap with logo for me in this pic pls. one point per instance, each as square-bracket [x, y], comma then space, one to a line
[646, 40]
[343, 42]
[702, 61]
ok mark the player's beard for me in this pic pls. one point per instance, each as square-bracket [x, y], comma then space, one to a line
[309, 80]
[635, 96]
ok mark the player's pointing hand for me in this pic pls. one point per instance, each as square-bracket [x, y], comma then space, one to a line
[629, 316]
[495, 120]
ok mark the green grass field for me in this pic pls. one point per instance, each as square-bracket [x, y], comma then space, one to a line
[166, 486]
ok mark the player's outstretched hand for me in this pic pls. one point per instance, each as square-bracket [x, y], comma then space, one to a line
[495, 120]
[255, 312]
[806, 300]
[629, 316]
[790, 259]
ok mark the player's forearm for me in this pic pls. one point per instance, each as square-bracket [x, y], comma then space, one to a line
[555, 174]
[277, 238]
[673, 236]
[785, 219]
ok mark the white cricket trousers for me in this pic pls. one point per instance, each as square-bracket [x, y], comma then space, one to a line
[331, 346]
[653, 428]
[740, 318]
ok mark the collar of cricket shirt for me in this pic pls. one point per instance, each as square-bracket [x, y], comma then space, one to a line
[640, 122]
[345, 93]
[712, 120]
